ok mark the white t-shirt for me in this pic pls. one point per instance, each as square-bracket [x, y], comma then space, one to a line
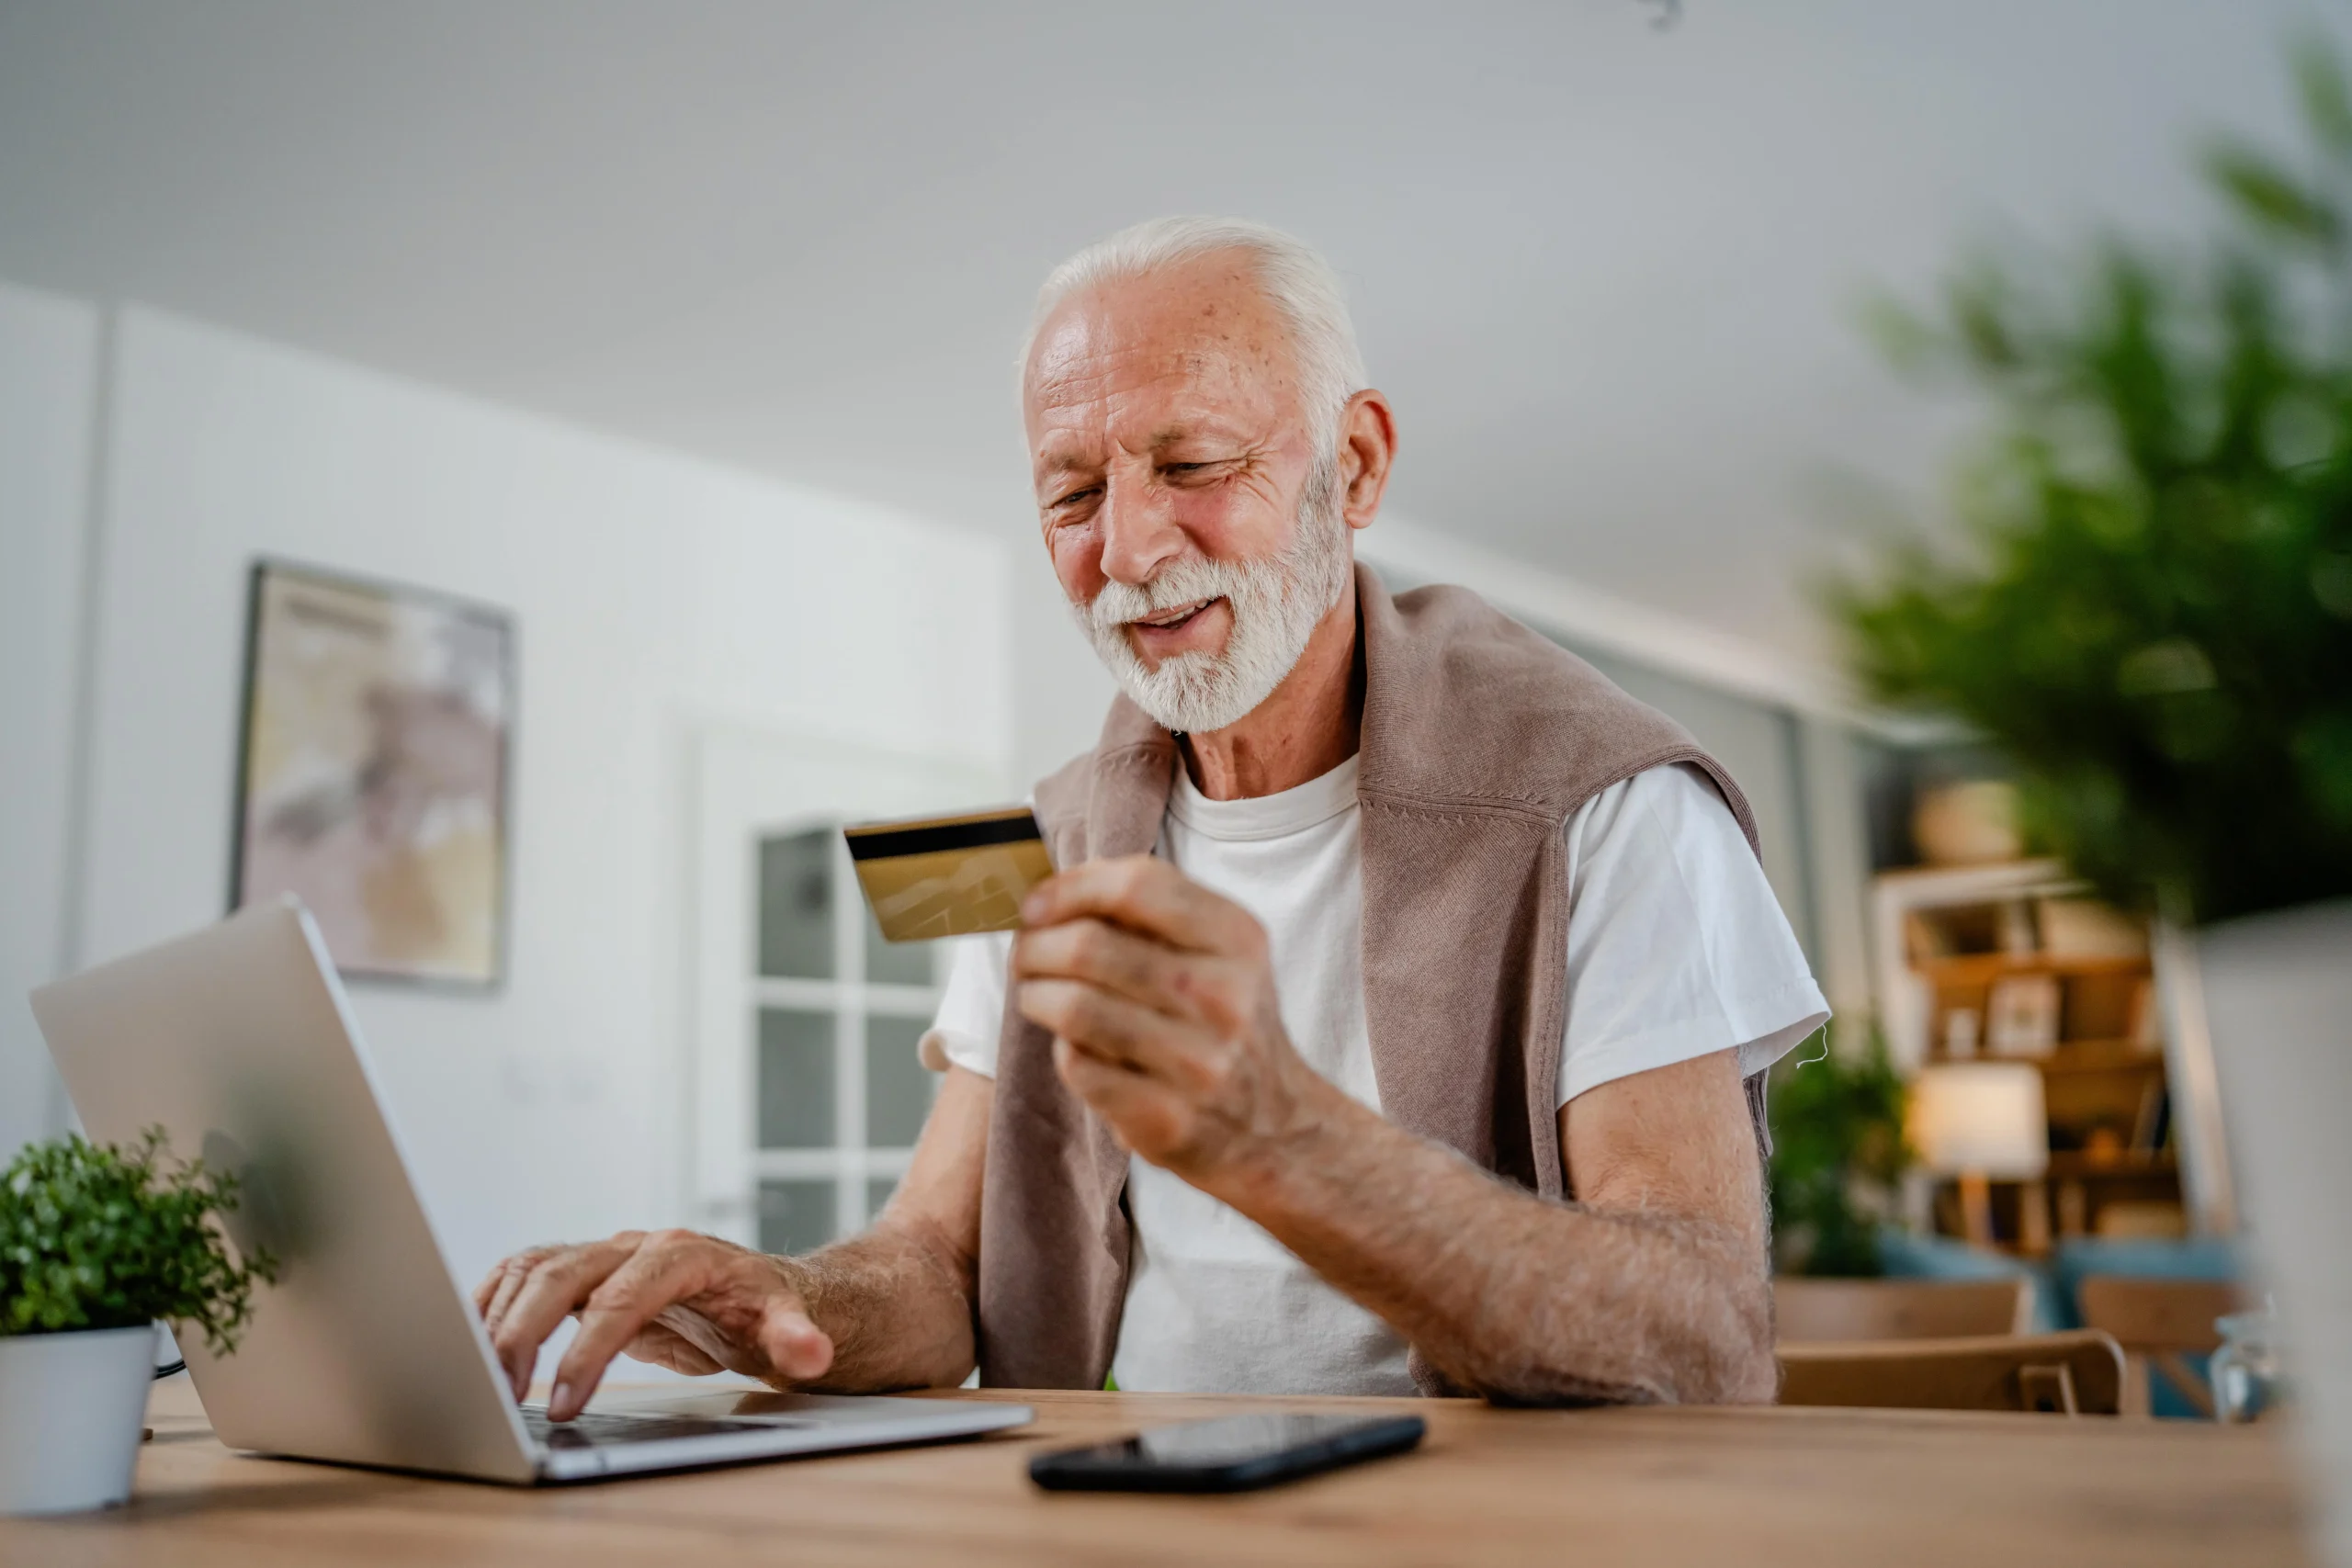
[1676, 948]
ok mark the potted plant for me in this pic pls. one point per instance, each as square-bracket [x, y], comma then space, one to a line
[2153, 618]
[97, 1245]
[1838, 1156]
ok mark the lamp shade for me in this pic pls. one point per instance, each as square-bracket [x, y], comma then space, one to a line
[1981, 1119]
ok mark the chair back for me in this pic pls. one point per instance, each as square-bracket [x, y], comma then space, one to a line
[2158, 1315]
[2157, 1321]
[2079, 1372]
[1844, 1311]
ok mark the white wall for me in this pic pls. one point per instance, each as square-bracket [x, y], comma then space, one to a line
[1830, 770]
[1060, 689]
[48, 358]
[652, 594]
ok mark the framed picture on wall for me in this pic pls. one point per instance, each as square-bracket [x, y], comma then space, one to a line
[372, 771]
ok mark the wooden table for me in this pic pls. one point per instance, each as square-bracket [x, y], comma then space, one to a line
[1585, 1489]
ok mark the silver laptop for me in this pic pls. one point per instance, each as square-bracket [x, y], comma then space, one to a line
[237, 1041]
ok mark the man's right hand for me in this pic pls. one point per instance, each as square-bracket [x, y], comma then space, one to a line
[694, 1304]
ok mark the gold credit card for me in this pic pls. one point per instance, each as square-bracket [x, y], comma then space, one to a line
[949, 876]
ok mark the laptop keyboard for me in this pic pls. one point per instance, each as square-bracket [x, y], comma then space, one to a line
[596, 1430]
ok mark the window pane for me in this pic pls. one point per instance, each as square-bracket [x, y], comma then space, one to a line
[878, 1193]
[796, 1216]
[797, 905]
[898, 1088]
[795, 1080]
[895, 962]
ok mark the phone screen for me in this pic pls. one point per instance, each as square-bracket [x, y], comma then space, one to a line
[1231, 1452]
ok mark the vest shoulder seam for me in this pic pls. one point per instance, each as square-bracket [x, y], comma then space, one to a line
[1459, 807]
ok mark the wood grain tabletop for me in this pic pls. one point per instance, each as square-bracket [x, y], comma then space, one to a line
[1709, 1488]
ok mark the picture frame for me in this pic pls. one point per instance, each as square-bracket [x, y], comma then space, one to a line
[374, 762]
[2021, 1016]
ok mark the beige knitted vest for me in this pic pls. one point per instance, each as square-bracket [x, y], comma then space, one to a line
[1480, 738]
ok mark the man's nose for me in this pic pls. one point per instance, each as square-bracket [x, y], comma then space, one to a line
[1138, 530]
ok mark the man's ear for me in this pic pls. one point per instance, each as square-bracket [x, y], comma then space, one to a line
[1367, 451]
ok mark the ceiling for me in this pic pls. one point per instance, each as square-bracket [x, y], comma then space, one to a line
[1608, 270]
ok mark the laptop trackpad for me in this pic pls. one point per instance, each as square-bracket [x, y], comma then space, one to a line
[756, 1405]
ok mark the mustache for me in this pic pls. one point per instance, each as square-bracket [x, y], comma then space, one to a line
[1189, 581]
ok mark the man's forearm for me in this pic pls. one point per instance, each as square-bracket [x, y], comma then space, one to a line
[896, 1301]
[1509, 1295]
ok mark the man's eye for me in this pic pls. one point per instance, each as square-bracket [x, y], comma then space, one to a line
[1074, 497]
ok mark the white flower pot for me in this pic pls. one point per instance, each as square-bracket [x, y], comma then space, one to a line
[71, 1407]
[2279, 1001]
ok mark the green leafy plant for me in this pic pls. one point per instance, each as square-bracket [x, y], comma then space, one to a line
[1838, 1152]
[2154, 621]
[107, 1237]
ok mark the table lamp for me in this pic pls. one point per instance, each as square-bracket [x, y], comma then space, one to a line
[1985, 1122]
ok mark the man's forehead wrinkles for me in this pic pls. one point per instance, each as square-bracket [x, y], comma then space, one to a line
[1081, 443]
[1118, 381]
[1065, 376]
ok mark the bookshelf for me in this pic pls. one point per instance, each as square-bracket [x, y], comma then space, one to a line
[2013, 961]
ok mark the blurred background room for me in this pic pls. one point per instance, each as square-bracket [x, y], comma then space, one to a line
[576, 444]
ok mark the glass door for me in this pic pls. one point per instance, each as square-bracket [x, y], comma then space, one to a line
[807, 1089]
[838, 1012]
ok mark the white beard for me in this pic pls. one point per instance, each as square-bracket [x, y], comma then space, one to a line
[1275, 604]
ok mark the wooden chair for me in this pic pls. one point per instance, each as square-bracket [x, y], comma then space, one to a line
[2157, 1322]
[2079, 1372]
[1844, 1311]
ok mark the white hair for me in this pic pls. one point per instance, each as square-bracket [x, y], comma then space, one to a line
[1294, 278]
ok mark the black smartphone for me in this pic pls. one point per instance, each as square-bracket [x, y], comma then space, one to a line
[1232, 1454]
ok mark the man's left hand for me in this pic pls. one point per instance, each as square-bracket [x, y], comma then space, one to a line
[1161, 996]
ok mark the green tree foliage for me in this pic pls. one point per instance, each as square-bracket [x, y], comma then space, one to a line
[115, 1237]
[1838, 1152]
[2154, 621]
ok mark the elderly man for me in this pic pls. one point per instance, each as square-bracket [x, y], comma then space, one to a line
[1395, 1017]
